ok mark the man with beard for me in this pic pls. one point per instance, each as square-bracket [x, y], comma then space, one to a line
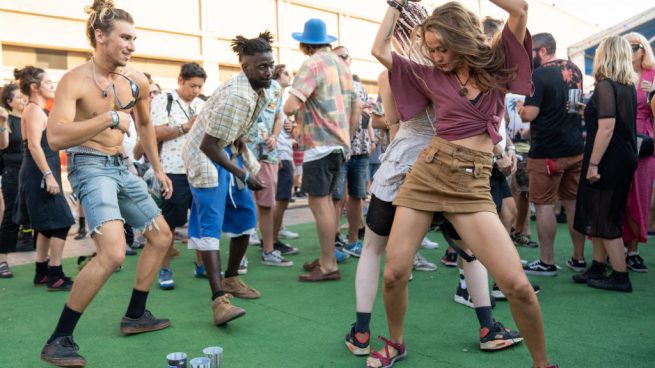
[555, 156]
[221, 170]
[92, 112]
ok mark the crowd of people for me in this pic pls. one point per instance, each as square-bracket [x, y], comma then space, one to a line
[475, 123]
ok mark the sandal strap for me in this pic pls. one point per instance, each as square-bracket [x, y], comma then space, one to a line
[400, 348]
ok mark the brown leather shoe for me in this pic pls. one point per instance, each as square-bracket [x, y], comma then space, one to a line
[235, 286]
[309, 266]
[318, 275]
[224, 311]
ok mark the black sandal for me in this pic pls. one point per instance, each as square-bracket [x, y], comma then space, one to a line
[5, 272]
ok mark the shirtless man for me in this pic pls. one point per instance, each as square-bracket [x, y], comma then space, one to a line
[89, 118]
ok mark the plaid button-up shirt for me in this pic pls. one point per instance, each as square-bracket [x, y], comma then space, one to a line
[228, 114]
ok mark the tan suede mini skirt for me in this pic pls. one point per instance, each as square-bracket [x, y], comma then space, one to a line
[448, 178]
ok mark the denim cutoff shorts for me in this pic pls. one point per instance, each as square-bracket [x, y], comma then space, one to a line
[108, 192]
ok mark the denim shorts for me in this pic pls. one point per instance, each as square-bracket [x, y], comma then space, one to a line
[107, 192]
[355, 172]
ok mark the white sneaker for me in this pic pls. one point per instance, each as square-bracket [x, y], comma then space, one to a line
[243, 266]
[429, 244]
[254, 239]
[287, 234]
[422, 264]
[275, 259]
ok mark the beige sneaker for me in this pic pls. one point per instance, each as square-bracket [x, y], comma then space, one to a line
[239, 289]
[224, 311]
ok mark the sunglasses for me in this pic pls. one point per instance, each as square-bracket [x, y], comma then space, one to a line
[635, 47]
[135, 93]
[344, 56]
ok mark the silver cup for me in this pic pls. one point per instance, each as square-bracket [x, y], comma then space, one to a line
[574, 100]
[215, 355]
[202, 362]
[177, 360]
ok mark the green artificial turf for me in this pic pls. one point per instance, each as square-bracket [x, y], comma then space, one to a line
[303, 325]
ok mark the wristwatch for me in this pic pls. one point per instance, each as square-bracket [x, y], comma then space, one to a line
[500, 157]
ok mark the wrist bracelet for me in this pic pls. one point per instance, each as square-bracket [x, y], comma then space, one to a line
[513, 148]
[2, 129]
[180, 129]
[592, 164]
[245, 177]
[396, 5]
[45, 174]
[114, 119]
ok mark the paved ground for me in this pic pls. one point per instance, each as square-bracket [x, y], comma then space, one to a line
[297, 213]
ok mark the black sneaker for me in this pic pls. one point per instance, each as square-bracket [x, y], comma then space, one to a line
[496, 293]
[62, 352]
[129, 251]
[596, 271]
[576, 265]
[358, 342]
[615, 281]
[81, 234]
[498, 337]
[449, 259]
[146, 323]
[285, 249]
[636, 263]
[59, 283]
[538, 268]
[41, 280]
[462, 297]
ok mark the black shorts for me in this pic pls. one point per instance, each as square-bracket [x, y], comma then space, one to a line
[176, 209]
[319, 177]
[380, 219]
[499, 188]
[284, 180]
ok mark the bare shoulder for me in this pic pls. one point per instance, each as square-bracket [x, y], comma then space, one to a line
[75, 80]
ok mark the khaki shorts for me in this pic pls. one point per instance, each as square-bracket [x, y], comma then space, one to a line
[561, 183]
[448, 178]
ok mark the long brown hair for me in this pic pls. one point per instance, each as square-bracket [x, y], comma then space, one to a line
[102, 15]
[461, 32]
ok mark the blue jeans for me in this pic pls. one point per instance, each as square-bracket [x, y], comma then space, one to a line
[355, 170]
[107, 191]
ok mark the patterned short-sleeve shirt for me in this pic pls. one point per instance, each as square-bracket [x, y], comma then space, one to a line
[228, 115]
[181, 112]
[263, 127]
[325, 86]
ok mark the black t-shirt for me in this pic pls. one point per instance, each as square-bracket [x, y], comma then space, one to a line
[13, 154]
[555, 133]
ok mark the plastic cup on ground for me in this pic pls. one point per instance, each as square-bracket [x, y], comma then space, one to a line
[215, 355]
[202, 362]
[177, 360]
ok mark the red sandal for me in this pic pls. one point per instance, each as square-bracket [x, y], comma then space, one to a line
[387, 360]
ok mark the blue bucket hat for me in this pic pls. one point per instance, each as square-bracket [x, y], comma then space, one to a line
[315, 33]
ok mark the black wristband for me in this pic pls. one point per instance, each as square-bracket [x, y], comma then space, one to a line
[396, 5]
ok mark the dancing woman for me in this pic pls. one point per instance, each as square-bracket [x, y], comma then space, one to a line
[466, 84]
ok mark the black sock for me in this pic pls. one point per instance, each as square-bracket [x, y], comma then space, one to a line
[66, 325]
[484, 317]
[137, 304]
[231, 273]
[363, 321]
[82, 223]
[42, 268]
[56, 271]
[218, 294]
